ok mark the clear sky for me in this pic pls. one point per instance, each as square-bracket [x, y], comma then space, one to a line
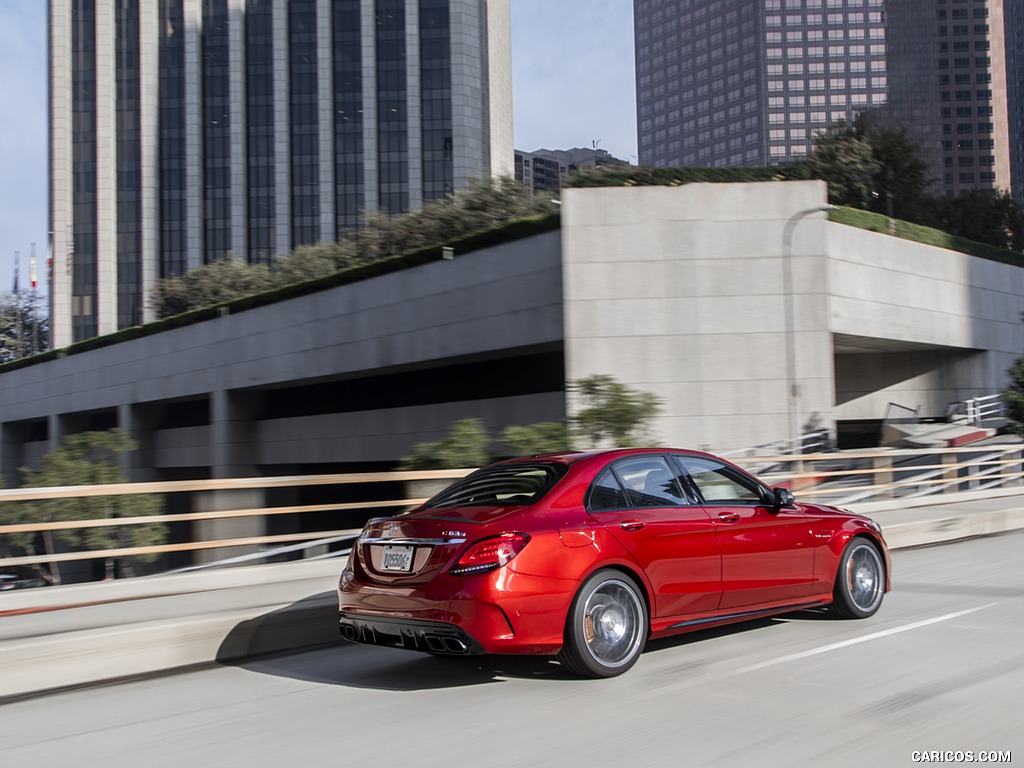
[572, 63]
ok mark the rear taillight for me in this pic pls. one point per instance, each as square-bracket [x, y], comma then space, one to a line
[489, 554]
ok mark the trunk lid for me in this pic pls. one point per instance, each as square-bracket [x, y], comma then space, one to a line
[413, 548]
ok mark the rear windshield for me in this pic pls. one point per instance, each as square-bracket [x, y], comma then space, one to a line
[511, 484]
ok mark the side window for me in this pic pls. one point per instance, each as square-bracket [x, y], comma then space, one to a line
[719, 483]
[606, 494]
[650, 482]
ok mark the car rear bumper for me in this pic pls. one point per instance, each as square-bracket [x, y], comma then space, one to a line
[499, 613]
[428, 636]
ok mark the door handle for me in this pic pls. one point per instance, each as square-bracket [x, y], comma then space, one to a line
[728, 517]
[632, 525]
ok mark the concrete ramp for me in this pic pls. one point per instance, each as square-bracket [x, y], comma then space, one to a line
[933, 435]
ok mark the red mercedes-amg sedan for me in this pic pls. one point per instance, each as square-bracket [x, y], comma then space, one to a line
[587, 555]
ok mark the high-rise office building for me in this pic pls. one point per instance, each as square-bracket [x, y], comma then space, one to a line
[546, 169]
[948, 86]
[1013, 20]
[751, 82]
[182, 131]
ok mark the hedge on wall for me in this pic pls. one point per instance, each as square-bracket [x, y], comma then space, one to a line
[634, 176]
[904, 230]
[513, 231]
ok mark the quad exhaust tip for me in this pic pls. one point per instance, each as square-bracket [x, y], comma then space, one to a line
[434, 643]
[439, 644]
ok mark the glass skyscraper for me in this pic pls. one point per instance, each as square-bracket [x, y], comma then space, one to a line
[949, 87]
[184, 131]
[750, 82]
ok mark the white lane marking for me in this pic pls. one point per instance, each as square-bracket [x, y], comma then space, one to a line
[864, 639]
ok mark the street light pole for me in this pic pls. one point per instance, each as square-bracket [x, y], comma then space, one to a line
[792, 385]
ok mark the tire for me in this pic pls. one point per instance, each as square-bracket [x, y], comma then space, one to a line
[607, 627]
[860, 581]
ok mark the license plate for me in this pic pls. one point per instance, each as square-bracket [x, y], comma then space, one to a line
[397, 558]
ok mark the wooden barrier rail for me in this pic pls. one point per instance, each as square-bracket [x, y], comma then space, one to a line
[840, 474]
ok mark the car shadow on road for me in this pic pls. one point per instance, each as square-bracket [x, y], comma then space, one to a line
[301, 642]
[703, 635]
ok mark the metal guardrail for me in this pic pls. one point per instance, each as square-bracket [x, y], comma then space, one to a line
[981, 409]
[819, 441]
[832, 477]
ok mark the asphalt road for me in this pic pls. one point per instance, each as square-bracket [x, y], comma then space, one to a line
[940, 668]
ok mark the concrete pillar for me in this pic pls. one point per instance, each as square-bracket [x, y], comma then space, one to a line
[58, 426]
[233, 454]
[10, 456]
[139, 421]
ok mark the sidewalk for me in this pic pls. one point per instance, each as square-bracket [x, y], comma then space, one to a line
[67, 636]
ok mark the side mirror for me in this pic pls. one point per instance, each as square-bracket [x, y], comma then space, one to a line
[783, 497]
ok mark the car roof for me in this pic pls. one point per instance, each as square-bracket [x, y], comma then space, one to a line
[570, 457]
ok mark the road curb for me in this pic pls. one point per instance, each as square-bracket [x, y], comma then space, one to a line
[949, 528]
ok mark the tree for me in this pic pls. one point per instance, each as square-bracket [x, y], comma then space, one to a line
[533, 439]
[871, 167]
[485, 205]
[902, 175]
[307, 262]
[1013, 398]
[985, 217]
[214, 283]
[613, 413]
[843, 158]
[465, 446]
[24, 325]
[86, 458]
